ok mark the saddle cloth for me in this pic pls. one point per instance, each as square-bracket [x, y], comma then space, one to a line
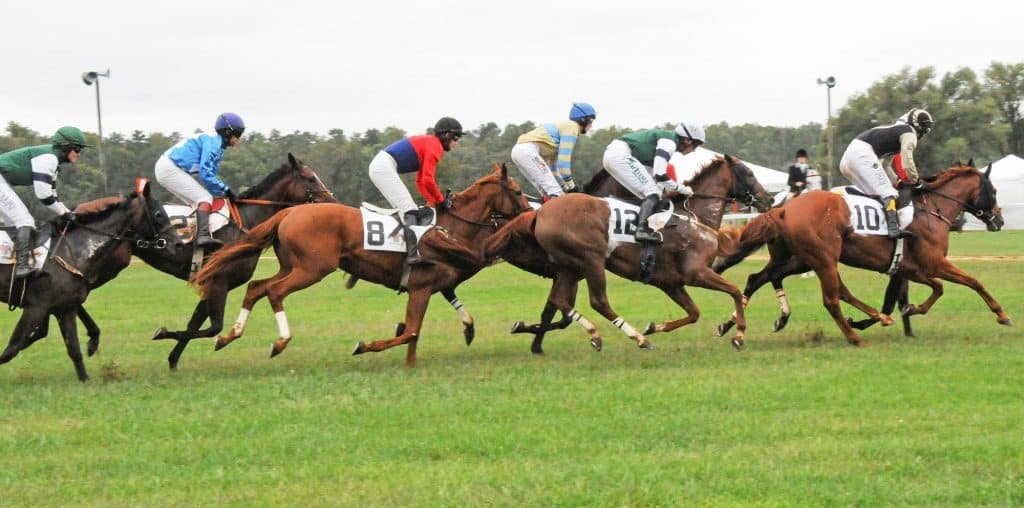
[183, 218]
[37, 256]
[622, 220]
[382, 230]
[866, 213]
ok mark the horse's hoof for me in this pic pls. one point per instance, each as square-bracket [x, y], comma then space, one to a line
[737, 343]
[399, 329]
[595, 342]
[91, 348]
[909, 310]
[858, 343]
[517, 327]
[723, 328]
[222, 342]
[1006, 322]
[645, 344]
[279, 346]
[160, 333]
[781, 323]
[885, 320]
[651, 328]
[469, 332]
[540, 352]
[359, 349]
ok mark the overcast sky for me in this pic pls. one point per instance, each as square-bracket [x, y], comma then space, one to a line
[318, 65]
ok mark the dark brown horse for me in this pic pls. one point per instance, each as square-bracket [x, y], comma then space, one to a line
[315, 240]
[813, 232]
[573, 232]
[291, 184]
[85, 255]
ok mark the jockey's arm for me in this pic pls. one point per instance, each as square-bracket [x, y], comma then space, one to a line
[426, 182]
[563, 164]
[662, 153]
[208, 168]
[44, 182]
[908, 142]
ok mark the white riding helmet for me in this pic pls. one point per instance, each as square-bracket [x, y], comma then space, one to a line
[920, 120]
[690, 130]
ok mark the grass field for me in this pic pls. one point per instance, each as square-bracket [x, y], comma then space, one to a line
[797, 418]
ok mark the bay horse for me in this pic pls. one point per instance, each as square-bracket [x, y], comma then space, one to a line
[813, 232]
[315, 240]
[572, 231]
[83, 255]
[291, 184]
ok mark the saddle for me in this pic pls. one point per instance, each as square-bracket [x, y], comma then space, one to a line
[43, 233]
[903, 196]
[183, 218]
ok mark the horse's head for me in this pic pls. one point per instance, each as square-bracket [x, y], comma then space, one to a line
[495, 195]
[152, 229]
[729, 177]
[973, 190]
[136, 218]
[293, 183]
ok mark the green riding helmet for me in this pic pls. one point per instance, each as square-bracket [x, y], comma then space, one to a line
[69, 136]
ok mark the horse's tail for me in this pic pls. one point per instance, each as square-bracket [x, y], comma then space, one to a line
[499, 241]
[728, 240]
[253, 242]
[761, 230]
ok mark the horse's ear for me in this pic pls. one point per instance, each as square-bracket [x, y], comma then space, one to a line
[504, 171]
[958, 163]
[142, 187]
[293, 161]
[970, 162]
[988, 170]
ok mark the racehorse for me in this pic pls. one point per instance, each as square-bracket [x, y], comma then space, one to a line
[573, 231]
[82, 256]
[291, 184]
[315, 240]
[814, 231]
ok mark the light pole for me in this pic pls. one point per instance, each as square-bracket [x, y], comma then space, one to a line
[829, 82]
[93, 78]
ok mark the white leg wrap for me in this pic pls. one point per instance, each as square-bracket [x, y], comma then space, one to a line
[626, 327]
[239, 326]
[282, 325]
[584, 322]
[783, 301]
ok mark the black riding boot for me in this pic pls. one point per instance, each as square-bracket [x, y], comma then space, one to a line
[892, 221]
[412, 257]
[22, 246]
[203, 237]
[644, 233]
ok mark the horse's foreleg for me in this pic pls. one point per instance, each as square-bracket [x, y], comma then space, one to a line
[91, 329]
[848, 297]
[754, 283]
[705, 277]
[903, 300]
[916, 310]
[298, 278]
[468, 326]
[948, 271]
[678, 295]
[415, 310]
[199, 315]
[68, 323]
[892, 292]
[257, 290]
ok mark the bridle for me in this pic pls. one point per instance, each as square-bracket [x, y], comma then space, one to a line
[985, 216]
[515, 196]
[744, 195]
[312, 196]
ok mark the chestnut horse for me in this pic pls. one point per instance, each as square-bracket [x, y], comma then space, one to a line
[291, 184]
[813, 231]
[317, 239]
[573, 231]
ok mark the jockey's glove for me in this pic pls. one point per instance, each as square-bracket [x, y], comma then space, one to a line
[230, 195]
[67, 218]
[445, 205]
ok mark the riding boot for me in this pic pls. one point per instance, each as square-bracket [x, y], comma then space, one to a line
[644, 233]
[412, 256]
[892, 221]
[22, 246]
[203, 237]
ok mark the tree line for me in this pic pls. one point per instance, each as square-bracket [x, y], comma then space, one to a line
[976, 117]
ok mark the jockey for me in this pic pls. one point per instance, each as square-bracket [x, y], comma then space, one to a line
[798, 173]
[546, 152]
[200, 155]
[37, 166]
[861, 162]
[415, 154]
[631, 158]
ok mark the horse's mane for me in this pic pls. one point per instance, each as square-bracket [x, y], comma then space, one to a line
[705, 169]
[92, 211]
[595, 181]
[266, 184]
[944, 177]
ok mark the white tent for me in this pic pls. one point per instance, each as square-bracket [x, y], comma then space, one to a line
[1008, 178]
[686, 165]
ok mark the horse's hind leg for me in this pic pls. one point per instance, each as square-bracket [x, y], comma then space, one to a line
[199, 315]
[703, 276]
[597, 288]
[69, 330]
[415, 310]
[31, 319]
[896, 287]
[563, 298]
[91, 329]
[848, 297]
[828, 275]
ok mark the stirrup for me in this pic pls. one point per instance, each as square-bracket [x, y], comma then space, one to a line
[647, 235]
[901, 233]
[208, 241]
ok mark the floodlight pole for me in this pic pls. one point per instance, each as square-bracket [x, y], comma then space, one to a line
[829, 82]
[93, 78]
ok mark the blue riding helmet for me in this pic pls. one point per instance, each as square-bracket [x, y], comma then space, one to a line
[581, 111]
[229, 124]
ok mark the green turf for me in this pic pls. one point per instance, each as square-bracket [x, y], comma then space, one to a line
[798, 418]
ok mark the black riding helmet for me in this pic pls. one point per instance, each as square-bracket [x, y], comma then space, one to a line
[448, 129]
